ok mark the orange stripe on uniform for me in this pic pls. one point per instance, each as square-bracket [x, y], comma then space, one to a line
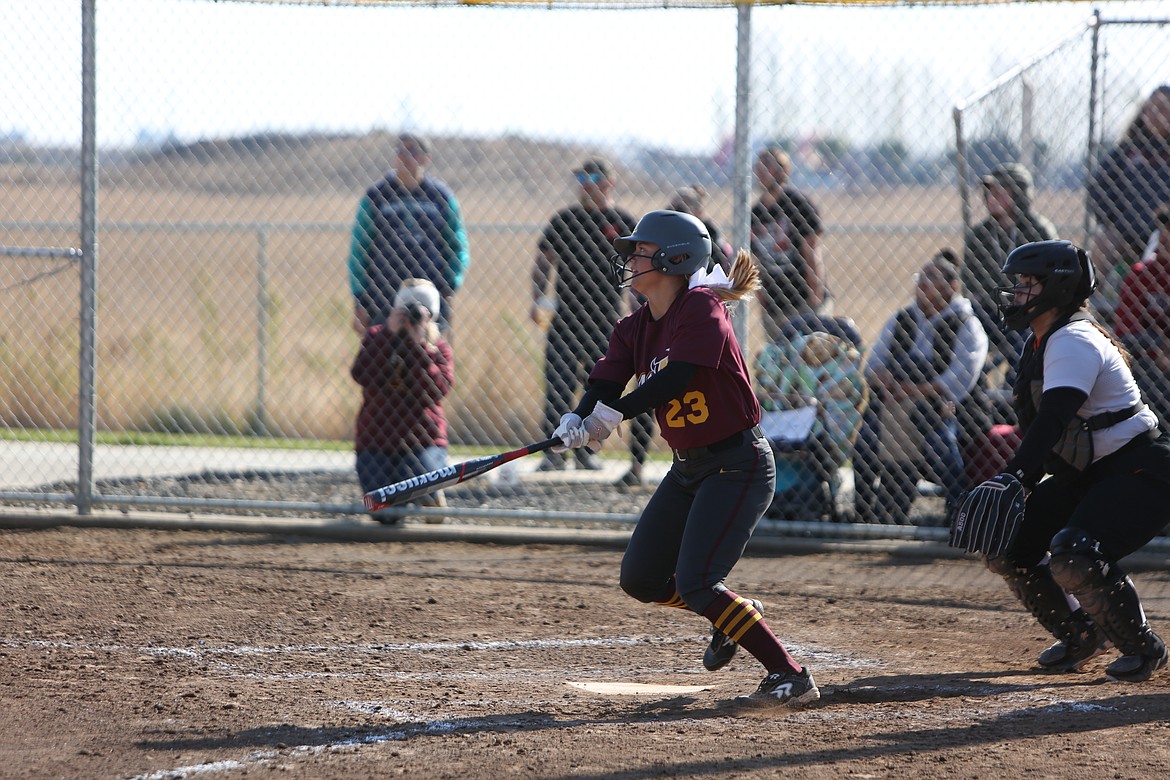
[739, 616]
[725, 614]
[753, 616]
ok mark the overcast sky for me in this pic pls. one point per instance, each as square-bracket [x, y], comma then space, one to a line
[193, 69]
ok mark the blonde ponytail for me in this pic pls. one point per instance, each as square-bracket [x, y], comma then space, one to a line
[744, 276]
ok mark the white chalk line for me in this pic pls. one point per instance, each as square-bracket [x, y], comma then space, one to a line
[203, 649]
[439, 727]
[262, 758]
[204, 652]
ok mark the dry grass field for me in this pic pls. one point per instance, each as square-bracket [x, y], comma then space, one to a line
[184, 242]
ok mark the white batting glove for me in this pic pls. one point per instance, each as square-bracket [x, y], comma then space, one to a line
[601, 424]
[571, 433]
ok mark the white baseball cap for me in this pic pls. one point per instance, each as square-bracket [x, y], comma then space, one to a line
[418, 291]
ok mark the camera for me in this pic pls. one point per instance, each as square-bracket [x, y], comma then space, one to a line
[415, 312]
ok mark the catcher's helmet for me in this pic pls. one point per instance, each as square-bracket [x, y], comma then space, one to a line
[684, 244]
[1066, 275]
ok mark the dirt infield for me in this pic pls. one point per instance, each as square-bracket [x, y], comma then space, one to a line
[152, 654]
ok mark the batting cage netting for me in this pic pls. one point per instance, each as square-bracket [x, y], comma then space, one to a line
[206, 206]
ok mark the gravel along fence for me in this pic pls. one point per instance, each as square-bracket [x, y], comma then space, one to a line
[527, 499]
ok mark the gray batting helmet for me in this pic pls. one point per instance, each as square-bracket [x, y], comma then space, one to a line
[684, 244]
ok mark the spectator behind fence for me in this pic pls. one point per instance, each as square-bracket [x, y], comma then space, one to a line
[924, 364]
[405, 370]
[577, 245]
[687, 200]
[1007, 192]
[786, 241]
[1130, 183]
[1142, 321]
[408, 225]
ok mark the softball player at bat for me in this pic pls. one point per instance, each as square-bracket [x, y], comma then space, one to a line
[681, 348]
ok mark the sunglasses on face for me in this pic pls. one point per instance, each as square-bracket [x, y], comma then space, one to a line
[589, 178]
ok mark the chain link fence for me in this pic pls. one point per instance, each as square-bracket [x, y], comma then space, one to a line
[238, 144]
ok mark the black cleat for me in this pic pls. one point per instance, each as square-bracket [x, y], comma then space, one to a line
[784, 689]
[1070, 656]
[1139, 667]
[721, 648]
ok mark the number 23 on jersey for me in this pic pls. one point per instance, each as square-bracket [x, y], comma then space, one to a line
[691, 408]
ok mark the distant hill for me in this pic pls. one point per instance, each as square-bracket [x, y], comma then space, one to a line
[318, 163]
[312, 163]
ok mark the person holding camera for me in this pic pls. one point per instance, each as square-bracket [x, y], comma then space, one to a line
[405, 370]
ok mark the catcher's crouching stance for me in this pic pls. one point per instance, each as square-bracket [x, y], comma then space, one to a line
[1085, 424]
[681, 348]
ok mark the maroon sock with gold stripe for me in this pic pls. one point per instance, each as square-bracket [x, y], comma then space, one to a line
[736, 617]
[675, 601]
[672, 599]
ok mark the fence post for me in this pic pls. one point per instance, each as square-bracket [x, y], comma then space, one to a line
[961, 168]
[741, 181]
[1027, 137]
[261, 415]
[87, 358]
[1091, 150]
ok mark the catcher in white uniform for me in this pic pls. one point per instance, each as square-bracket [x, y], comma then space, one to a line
[1107, 491]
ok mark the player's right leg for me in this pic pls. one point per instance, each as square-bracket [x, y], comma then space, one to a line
[1109, 597]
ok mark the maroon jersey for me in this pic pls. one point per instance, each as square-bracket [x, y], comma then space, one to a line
[696, 329]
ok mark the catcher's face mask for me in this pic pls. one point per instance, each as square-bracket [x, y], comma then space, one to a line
[1021, 303]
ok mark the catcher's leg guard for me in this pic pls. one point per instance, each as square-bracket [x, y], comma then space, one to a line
[1078, 640]
[1108, 596]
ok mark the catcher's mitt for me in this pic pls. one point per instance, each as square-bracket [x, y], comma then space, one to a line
[990, 516]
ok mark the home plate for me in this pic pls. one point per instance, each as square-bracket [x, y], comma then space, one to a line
[637, 689]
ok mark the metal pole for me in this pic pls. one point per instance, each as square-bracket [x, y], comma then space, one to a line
[261, 421]
[741, 181]
[1091, 150]
[87, 368]
[961, 165]
[1027, 138]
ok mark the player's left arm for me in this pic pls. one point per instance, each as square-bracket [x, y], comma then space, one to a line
[1058, 406]
[670, 382]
